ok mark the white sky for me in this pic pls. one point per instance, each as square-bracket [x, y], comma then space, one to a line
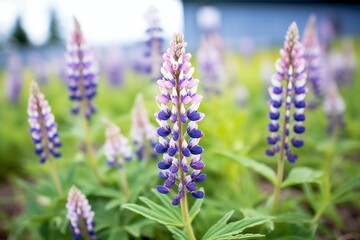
[103, 21]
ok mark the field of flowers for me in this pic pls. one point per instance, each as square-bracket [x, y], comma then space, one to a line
[135, 167]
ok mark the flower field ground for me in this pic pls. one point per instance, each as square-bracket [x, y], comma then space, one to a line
[324, 180]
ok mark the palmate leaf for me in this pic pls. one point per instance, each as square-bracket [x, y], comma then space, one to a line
[342, 193]
[221, 230]
[165, 214]
[178, 233]
[300, 175]
[260, 168]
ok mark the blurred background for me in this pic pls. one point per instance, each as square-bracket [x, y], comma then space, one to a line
[234, 46]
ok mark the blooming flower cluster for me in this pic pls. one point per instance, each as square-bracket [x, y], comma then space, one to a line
[155, 41]
[312, 55]
[334, 106]
[142, 131]
[43, 127]
[178, 118]
[290, 71]
[81, 73]
[80, 215]
[116, 146]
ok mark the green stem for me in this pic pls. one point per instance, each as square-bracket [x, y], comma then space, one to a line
[55, 176]
[280, 165]
[327, 167]
[280, 173]
[124, 183]
[89, 149]
[186, 218]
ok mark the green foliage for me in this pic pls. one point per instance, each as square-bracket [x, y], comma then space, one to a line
[221, 230]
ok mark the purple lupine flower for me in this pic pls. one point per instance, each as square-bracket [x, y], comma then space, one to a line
[179, 135]
[81, 73]
[43, 127]
[80, 215]
[143, 133]
[114, 66]
[14, 78]
[155, 41]
[312, 55]
[209, 61]
[291, 73]
[116, 146]
[334, 106]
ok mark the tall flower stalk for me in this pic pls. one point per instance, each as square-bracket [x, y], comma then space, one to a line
[155, 41]
[312, 55]
[43, 129]
[117, 150]
[80, 215]
[290, 72]
[142, 131]
[82, 83]
[178, 132]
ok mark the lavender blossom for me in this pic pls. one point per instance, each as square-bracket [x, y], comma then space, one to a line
[155, 41]
[291, 73]
[116, 146]
[312, 55]
[334, 106]
[179, 135]
[14, 79]
[43, 127]
[81, 73]
[209, 60]
[143, 133]
[80, 215]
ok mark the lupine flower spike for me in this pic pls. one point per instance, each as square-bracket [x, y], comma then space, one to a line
[143, 133]
[80, 215]
[117, 150]
[155, 41]
[116, 146]
[312, 55]
[179, 135]
[82, 83]
[288, 90]
[291, 73]
[334, 107]
[81, 73]
[14, 78]
[43, 129]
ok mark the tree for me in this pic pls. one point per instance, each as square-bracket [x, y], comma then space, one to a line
[19, 36]
[54, 36]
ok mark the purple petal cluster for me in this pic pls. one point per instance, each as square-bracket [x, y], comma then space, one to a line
[179, 135]
[116, 146]
[14, 78]
[81, 73]
[312, 55]
[43, 127]
[288, 89]
[143, 133]
[80, 215]
[334, 107]
[155, 42]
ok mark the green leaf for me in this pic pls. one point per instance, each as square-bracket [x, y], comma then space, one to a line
[300, 175]
[166, 202]
[156, 212]
[162, 210]
[243, 236]
[344, 188]
[113, 204]
[260, 168]
[310, 196]
[217, 226]
[233, 230]
[195, 209]
[135, 228]
[178, 234]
